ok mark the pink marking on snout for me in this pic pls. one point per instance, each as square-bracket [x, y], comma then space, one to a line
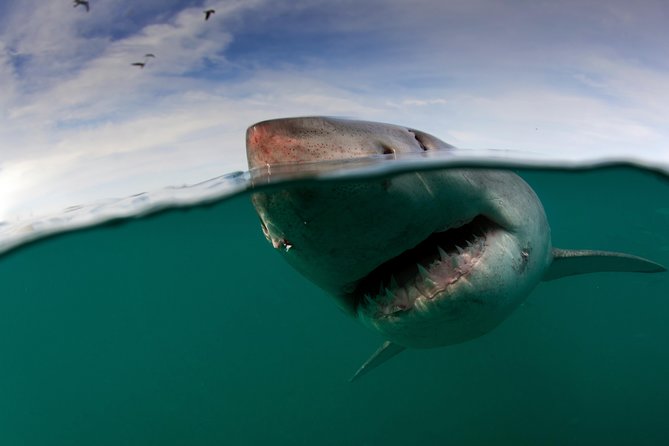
[302, 140]
[266, 145]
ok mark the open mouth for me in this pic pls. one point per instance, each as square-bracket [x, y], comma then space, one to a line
[425, 271]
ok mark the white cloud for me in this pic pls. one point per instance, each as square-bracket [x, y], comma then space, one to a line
[184, 137]
[104, 83]
[424, 102]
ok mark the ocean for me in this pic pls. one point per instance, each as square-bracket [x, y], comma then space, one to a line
[180, 325]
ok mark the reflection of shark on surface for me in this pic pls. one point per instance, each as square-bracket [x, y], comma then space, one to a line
[425, 258]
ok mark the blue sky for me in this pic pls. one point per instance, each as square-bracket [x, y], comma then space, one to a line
[78, 122]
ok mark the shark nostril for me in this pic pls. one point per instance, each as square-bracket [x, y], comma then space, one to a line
[387, 150]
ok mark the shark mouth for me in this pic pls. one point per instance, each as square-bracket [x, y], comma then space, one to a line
[425, 272]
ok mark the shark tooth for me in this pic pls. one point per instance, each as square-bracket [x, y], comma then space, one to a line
[397, 309]
[455, 262]
[420, 305]
[424, 273]
[442, 253]
[426, 284]
[393, 283]
[388, 296]
[460, 250]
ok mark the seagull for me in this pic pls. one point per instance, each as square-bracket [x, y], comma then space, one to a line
[82, 2]
[208, 13]
[147, 56]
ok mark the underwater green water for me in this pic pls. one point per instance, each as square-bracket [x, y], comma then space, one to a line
[185, 328]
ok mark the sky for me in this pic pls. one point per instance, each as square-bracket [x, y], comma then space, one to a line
[79, 123]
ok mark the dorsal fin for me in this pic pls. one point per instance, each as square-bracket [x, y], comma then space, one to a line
[567, 262]
[385, 352]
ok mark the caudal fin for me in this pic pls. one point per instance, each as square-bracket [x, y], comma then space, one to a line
[567, 262]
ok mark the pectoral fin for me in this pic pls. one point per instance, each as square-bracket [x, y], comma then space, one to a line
[568, 262]
[384, 353]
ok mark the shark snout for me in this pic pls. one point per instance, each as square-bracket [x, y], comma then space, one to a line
[299, 140]
[316, 138]
[269, 143]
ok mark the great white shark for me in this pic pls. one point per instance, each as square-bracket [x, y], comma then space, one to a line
[428, 258]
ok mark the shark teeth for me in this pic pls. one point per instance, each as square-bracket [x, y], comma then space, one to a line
[389, 296]
[396, 296]
[454, 262]
[393, 282]
[422, 271]
[426, 271]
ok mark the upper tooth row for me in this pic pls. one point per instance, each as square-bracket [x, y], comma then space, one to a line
[460, 250]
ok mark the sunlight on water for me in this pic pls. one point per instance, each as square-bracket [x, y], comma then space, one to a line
[23, 230]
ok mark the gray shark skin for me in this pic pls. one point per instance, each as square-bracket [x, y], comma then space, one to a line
[427, 259]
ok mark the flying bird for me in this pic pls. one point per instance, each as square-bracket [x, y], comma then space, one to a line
[147, 56]
[82, 2]
[208, 13]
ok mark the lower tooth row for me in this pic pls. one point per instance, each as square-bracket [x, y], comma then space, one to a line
[396, 298]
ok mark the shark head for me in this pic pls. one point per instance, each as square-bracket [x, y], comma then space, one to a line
[425, 258]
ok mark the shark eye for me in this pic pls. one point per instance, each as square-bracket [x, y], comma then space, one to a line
[418, 137]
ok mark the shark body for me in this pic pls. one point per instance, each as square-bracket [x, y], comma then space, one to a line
[427, 259]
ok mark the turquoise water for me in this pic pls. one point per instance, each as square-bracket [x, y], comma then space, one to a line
[184, 327]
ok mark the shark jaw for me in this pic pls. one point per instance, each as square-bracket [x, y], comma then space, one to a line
[439, 304]
[446, 290]
[426, 273]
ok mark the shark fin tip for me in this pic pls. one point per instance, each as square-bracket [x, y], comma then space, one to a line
[382, 354]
